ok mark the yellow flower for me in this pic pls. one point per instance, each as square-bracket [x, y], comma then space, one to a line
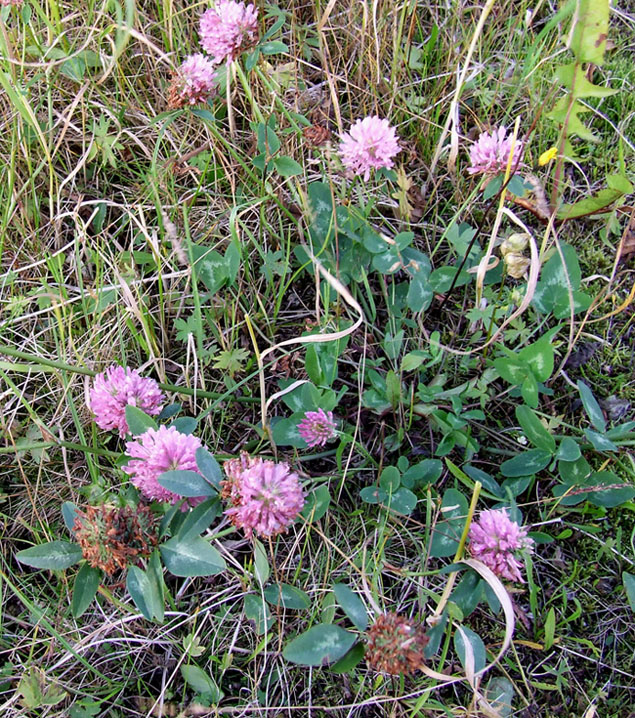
[547, 156]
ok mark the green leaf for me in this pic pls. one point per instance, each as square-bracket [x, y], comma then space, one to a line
[568, 450]
[574, 78]
[191, 557]
[390, 479]
[319, 646]
[285, 432]
[373, 495]
[599, 441]
[287, 167]
[403, 501]
[317, 503]
[592, 408]
[540, 357]
[352, 605]
[349, 660]
[422, 473]
[199, 518]
[526, 464]
[186, 483]
[468, 593]
[550, 629]
[629, 586]
[574, 472]
[185, 424]
[464, 636]
[52, 555]
[441, 279]
[534, 429]
[138, 421]
[86, 584]
[273, 48]
[588, 40]
[256, 610]
[211, 269]
[202, 683]
[140, 590]
[281, 594]
[208, 466]
[155, 576]
[500, 694]
[448, 529]
[69, 512]
[261, 563]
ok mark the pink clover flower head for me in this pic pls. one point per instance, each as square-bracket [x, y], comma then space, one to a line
[371, 143]
[116, 388]
[490, 153]
[317, 427]
[228, 28]
[266, 495]
[157, 451]
[496, 540]
[8, 3]
[193, 83]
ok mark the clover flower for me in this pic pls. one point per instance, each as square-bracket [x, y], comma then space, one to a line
[112, 538]
[371, 143]
[227, 29]
[193, 83]
[157, 451]
[7, 3]
[496, 540]
[395, 645]
[266, 496]
[317, 427]
[490, 153]
[116, 388]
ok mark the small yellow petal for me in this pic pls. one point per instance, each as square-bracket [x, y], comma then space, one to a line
[547, 156]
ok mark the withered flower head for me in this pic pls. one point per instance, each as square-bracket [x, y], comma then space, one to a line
[395, 645]
[111, 538]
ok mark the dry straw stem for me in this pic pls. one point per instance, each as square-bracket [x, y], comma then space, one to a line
[453, 113]
[343, 292]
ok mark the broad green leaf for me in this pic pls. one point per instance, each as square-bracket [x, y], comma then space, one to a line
[573, 77]
[140, 590]
[599, 441]
[500, 694]
[287, 167]
[317, 503]
[468, 593]
[155, 576]
[52, 555]
[422, 473]
[191, 557]
[352, 605]
[275, 47]
[199, 518]
[285, 431]
[69, 512]
[138, 421]
[540, 357]
[629, 586]
[390, 479]
[462, 637]
[281, 594]
[319, 646]
[185, 424]
[527, 463]
[201, 682]
[534, 429]
[568, 450]
[403, 501]
[349, 660]
[186, 483]
[261, 563]
[588, 39]
[373, 495]
[256, 610]
[449, 527]
[208, 466]
[550, 629]
[86, 584]
[441, 279]
[574, 472]
[592, 408]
